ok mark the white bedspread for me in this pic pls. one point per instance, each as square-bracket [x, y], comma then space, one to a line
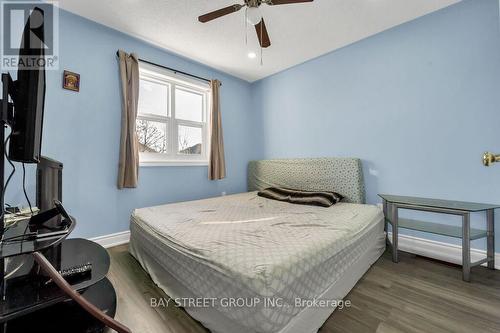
[247, 246]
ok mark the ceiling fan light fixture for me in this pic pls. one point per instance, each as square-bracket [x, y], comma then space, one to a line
[254, 16]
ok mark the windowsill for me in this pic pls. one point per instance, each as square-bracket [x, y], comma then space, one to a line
[172, 163]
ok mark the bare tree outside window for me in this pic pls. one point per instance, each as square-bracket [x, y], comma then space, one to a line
[183, 142]
[152, 138]
[190, 140]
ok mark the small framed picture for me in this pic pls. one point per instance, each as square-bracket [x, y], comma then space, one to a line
[71, 81]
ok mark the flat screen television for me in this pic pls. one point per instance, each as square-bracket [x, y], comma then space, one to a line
[29, 93]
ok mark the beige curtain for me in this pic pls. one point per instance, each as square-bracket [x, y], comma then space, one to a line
[128, 167]
[217, 163]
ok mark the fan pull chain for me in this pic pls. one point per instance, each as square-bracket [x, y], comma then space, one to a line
[260, 44]
[246, 26]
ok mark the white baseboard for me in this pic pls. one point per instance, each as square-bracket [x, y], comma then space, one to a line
[424, 247]
[439, 250]
[111, 240]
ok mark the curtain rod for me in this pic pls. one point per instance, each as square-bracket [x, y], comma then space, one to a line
[173, 70]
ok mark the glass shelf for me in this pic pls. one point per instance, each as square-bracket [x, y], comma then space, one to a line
[61, 316]
[438, 228]
[17, 247]
[26, 291]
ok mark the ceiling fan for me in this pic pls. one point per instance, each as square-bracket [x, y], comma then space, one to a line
[253, 15]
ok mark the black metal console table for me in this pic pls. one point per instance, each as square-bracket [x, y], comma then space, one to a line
[392, 203]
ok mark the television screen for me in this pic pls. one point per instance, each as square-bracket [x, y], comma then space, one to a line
[29, 99]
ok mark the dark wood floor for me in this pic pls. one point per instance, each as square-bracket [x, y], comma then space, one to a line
[415, 295]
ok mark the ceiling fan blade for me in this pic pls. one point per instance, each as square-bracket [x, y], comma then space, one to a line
[218, 13]
[285, 2]
[262, 34]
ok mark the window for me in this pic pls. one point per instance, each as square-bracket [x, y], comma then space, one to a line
[172, 118]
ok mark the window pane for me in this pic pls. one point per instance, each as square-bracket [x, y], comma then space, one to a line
[153, 98]
[190, 140]
[152, 136]
[188, 105]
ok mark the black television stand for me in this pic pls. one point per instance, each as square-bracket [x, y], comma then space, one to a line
[34, 300]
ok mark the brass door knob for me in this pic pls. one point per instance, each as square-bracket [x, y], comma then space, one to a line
[489, 158]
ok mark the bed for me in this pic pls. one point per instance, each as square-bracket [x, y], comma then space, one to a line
[243, 263]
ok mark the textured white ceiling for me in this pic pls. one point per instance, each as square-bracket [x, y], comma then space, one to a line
[298, 32]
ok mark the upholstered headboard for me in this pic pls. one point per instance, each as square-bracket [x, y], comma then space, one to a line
[341, 175]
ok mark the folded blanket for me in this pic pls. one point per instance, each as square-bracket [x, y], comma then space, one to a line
[313, 198]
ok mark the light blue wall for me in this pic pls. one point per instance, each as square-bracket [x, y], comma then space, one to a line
[83, 130]
[419, 104]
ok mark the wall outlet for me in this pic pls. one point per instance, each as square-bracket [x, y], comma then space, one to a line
[223, 193]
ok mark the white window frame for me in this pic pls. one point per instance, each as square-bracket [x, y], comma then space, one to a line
[172, 81]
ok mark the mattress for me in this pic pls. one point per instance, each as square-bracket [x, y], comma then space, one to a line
[269, 257]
